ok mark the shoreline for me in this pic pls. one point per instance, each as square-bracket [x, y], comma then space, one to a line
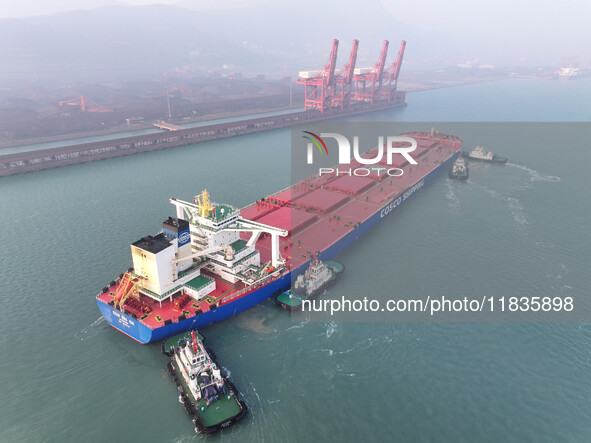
[408, 87]
[138, 127]
[416, 87]
[36, 160]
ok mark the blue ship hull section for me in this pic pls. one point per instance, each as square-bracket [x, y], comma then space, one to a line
[143, 334]
[332, 251]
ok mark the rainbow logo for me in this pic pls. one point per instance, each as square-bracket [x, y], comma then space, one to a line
[316, 142]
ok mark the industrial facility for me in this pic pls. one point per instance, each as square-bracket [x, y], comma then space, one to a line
[328, 95]
[326, 90]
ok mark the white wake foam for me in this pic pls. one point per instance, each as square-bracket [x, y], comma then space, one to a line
[516, 209]
[513, 204]
[454, 201]
[91, 330]
[535, 175]
[332, 326]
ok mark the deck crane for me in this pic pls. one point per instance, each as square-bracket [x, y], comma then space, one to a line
[128, 287]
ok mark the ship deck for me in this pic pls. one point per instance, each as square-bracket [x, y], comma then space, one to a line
[171, 310]
[317, 213]
[340, 203]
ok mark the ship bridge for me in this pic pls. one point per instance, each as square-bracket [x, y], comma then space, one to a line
[217, 224]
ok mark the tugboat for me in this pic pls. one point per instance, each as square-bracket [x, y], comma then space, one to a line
[459, 170]
[478, 153]
[206, 395]
[309, 284]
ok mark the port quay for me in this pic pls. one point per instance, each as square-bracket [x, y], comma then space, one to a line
[21, 162]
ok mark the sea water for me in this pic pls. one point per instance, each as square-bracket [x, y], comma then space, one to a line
[519, 228]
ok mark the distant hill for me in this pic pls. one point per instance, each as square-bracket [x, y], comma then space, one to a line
[122, 42]
[108, 42]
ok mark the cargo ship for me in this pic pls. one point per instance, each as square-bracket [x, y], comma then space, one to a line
[212, 260]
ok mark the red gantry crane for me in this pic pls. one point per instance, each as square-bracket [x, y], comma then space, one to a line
[368, 81]
[391, 76]
[319, 84]
[342, 92]
[85, 104]
[325, 90]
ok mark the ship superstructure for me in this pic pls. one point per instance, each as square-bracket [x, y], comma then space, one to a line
[187, 255]
[215, 231]
[200, 373]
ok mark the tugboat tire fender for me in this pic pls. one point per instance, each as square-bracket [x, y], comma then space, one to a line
[163, 349]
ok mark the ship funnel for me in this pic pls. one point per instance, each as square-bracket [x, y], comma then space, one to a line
[176, 228]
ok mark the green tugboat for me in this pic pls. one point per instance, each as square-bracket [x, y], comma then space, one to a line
[204, 392]
[459, 170]
[309, 284]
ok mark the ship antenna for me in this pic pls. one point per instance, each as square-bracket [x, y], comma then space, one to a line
[190, 329]
[194, 341]
[192, 324]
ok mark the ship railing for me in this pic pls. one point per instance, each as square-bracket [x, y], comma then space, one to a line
[264, 281]
[189, 270]
[162, 296]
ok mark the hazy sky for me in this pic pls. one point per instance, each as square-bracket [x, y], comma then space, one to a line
[487, 14]
[555, 27]
[25, 8]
